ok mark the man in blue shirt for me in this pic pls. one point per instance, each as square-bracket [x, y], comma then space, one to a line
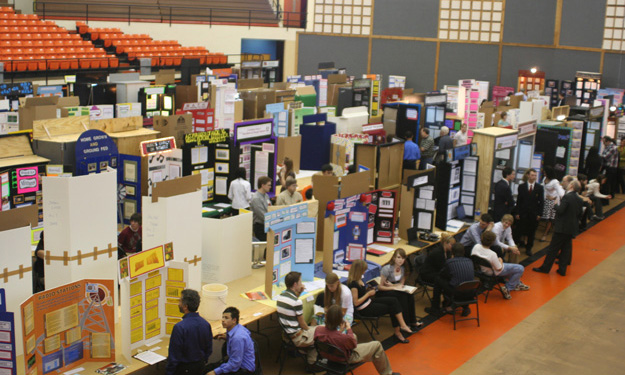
[240, 347]
[472, 235]
[191, 341]
[412, 154]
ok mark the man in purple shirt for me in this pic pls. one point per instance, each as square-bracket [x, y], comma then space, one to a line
[240, 358]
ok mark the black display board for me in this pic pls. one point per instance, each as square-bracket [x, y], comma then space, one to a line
[424, 204]
[548, 139]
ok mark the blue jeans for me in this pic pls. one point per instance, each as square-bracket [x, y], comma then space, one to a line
[513, 273]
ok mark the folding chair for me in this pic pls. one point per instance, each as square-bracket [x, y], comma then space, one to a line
[465, 295]
[333, 359]
[489, 281]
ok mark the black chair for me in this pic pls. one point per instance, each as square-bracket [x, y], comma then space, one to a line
[371, 323]
[489, 280]
[465, 295]
[288, 347]
[333, 359]
[417, 265]
[259, 369]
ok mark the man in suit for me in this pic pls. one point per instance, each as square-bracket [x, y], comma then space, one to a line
[566, 227]
[503, 195]
[561, 99]
[529, 208]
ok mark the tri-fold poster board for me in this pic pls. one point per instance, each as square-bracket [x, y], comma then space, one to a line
[8, 363]
[424, 203]
[68, 325]
[257, 148]
[290, 245]
[382, 206]
[150, 285]
[162, 161]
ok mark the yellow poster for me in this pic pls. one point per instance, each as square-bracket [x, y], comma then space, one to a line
[136, 300]
[146, 261]
[136, 310]
[172, 310]
[151, 314]
[175, 274]
[136, 322]
[153, 282]
[135, 288]
[51, 344]
[73, 335]
[152, 294]
[169, 326]
[61, 320]
[136, 335]
[153, 329]
[150, 304]
[30, 344]
[174, 289]
[29, 318]
[100, 345]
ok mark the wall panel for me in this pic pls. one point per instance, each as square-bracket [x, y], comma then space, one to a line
[463, 60]
[530, 21]
[413, 59]
[582, 23]
[346, 52]
[417, 18]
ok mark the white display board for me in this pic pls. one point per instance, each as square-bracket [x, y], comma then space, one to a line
[177, 219]
[80, 225]
[15, 254]
[352, 120]
[226, 248]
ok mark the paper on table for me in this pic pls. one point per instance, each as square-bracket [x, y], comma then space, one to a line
[223, 205]
[386, 249]
[341, 274]
[454, 225]
[304, 250]
[150, 357]
[74, 371]
[314, 285]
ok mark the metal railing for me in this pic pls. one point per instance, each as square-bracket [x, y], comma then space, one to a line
[168, 13]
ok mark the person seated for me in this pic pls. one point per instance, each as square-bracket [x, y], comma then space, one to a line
[291, 315]
[290, 195]
[335, 293]
[129, 240]
[593, 192]
[509, 271]
[338, 333]
[240, 356]
[503, 231]
[458, 269]
[392, 278]
[472, 236]
[326, 170]
[432, 268]
[368, 305]
[503, 121]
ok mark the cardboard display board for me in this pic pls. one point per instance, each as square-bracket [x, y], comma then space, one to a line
[424, 203]
[407, 118]
[316, 132]
[203, 117]
[290, 147]
[95, 152]
[342, 149]
[150, 299]
[280, 118]
[212, 156]
[81, 232]
[524, 152]
[346, 223]
[226, 244]
[161, 161]
[68, 325]
[382, 205]
[257, 150]
[290, 245]
[174, 126]
[8, 363]
[384, 163]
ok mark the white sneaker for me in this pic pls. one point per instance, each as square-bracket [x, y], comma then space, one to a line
[522, 286]
[505, 292]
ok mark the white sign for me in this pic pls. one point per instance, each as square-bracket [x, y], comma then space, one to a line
[253, 131]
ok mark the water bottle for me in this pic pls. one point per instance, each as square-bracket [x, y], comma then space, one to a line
[478, 213]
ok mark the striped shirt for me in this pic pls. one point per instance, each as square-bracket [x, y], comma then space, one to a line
[289, 308]
[461, 270]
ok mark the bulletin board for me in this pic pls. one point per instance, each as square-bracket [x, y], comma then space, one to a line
[68, 325]
[95, 152]
[382, 206]
[349, 219]
[209, 155]
[293, 246]
[424, 204]
[150, 285]
[257, 149]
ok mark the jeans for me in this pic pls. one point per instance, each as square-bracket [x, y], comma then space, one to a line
[513, 273]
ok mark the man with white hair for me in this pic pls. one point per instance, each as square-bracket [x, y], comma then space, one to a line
[444, 143]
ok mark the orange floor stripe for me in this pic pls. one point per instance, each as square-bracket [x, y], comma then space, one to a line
[439, 349]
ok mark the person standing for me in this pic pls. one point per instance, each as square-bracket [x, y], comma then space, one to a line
[338, 333]
[412, 154]
[592, 164]
[129, 240]
[461, 137]
[286, 171]
[552, 198]
[240, 192]
[561, 99]
[566, 227]
[620, 173]
[529, 207]
[427, 148]
[191, 341]
[260, 205]
[504, 202]
[445, 142]
[610, 157]
[240, 354]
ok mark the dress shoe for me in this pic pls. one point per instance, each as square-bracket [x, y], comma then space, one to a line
[528, 252]
[465, 312]
[404, 341]
[538, 269]
[432, 311]
[561, 273]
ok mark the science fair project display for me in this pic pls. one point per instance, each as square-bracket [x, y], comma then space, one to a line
[316, 132]
[560, 146]
[496, 148]
[95, 152]
[383, 162]
[257, 151]
[455, 184]
[8, 364]
[402, 117]
[345, 232]
[524, 156]
[68, 325]
[79, 216]
[423, 186]
[16, 272]
[435, 106]
[150, 288]
[382, 205]
[290, 245]
[208, 154]
[161, 161]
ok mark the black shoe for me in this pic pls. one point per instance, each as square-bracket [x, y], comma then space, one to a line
[561, 273]
[538, 269]
[557, 261]
[465, 312]
[415, 326]
[528, 252]
[432, 311]
[404, 341]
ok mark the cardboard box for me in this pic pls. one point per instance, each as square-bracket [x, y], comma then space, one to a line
[255, 101]
[333, 93]
[165, 77]
[40, 108]
[306, 95]
[174, 126]
[285, 96]
[185, 94]
[130, 142]
[250, 83]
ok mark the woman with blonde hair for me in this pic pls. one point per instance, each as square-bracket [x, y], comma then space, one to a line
[337, 294]
[367, 304]
[392, 279]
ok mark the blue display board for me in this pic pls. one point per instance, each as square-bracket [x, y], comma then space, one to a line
[351, 218]
[7, 338]
[315, 141]
[95, 151]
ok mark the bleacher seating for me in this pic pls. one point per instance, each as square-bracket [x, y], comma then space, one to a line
[31, 44]
[164, 53]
